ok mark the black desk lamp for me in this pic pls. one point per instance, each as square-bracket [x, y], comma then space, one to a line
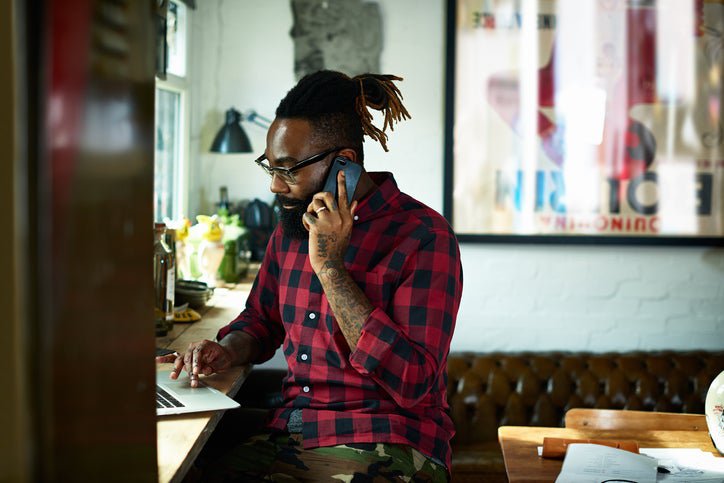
[231, 138]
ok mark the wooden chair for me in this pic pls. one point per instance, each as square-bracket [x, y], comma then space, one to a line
[613, 419]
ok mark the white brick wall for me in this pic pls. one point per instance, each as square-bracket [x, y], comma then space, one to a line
[516, 297]
[520, 297]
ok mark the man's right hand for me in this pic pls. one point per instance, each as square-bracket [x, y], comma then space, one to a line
[206, 357]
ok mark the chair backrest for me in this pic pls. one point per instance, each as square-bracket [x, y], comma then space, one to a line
[584, 418]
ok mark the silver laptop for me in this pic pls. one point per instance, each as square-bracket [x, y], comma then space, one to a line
[176, 397]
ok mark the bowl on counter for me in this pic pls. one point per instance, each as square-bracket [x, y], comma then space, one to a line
[192, 292]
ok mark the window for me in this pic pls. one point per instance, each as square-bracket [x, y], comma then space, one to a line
[176, 39]
[169, 153]
[171, 157]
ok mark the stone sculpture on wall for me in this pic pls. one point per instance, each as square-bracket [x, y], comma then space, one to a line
[343, 35]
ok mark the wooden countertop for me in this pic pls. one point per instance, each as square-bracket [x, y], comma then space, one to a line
[181, 437]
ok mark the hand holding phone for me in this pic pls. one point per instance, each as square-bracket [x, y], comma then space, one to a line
[352, 172]
[330, 225]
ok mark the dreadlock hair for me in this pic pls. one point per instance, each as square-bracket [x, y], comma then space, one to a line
[337, 107]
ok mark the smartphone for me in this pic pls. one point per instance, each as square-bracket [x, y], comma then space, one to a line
[162, 352]
[352, 172]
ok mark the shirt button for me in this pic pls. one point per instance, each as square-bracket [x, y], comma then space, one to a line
[356, 217]
[305, 357]
[312, 315]
[305, 389]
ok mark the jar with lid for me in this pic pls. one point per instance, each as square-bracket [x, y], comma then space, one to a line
[164, 278]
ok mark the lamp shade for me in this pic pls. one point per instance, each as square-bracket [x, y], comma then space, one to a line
[231, 138]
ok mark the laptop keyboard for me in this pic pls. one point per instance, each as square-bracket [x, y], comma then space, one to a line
[165, 400]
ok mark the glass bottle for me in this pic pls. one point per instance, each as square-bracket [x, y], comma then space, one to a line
[223, 201]
[228, 270]
[170, 238]
[164, 277]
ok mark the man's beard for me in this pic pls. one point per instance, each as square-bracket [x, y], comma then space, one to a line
[291, 218]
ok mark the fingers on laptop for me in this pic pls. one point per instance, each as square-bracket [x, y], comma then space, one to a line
[167, 358]
[195, 361]
[199, 358]
[178, 365]
[181, 362]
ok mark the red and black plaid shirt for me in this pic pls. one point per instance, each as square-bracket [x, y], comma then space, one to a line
[392, 388]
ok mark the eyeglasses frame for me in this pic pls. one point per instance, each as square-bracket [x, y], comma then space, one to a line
[287, 174]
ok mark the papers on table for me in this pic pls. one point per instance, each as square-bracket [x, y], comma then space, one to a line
[687, 465]
[592, 463]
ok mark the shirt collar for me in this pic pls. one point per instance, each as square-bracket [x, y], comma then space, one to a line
[380, 199]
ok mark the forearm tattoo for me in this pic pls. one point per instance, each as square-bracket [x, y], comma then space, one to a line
[350, 305]
[323, 244]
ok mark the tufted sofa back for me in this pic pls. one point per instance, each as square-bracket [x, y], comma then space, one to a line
[487, 390]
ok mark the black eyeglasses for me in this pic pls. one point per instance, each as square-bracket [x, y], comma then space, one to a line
[287, 174]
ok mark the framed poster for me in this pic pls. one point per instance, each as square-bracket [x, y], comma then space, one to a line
[585, 122]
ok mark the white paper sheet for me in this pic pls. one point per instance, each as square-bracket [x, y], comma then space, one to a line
[593, 463]
[687, 465]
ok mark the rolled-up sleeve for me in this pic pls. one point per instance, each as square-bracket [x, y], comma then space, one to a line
[260, 318]
[405, 348]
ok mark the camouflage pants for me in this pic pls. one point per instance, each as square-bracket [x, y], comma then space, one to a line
[281, 458]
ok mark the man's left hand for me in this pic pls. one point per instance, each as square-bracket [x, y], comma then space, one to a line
[329, 223]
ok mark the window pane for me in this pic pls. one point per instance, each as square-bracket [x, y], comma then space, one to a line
[167, 163]
[176, 39]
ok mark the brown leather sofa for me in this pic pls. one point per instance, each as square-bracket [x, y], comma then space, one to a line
[488, 390]
[537, 388]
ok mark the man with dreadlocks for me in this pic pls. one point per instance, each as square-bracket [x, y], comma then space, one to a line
[363, 297]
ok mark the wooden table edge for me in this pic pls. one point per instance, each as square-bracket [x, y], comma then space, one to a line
[214, 418]
[227, 302]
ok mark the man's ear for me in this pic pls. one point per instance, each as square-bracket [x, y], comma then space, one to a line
[350, 154]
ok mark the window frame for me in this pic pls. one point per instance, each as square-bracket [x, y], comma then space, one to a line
[179, 85]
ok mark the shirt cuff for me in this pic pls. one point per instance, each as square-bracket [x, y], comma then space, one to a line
[262, 338]
[379, 335]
